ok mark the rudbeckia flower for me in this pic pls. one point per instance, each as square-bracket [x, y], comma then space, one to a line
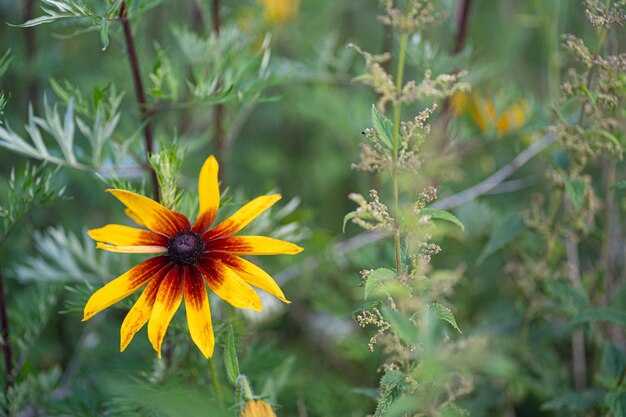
[189, 259]
[256, 408]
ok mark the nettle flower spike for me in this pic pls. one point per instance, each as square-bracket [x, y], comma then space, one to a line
[189, 257]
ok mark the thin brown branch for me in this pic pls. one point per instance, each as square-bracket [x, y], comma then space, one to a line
[139, 92]
[31, 47]
[6, 346]
[462, 25]
[218, 110]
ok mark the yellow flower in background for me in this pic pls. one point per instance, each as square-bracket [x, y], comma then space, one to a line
[482, 113]
[279, 11]
[190, 257]
[257, 408]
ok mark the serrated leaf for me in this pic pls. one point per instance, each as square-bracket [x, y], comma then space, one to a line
[609, 315]
[377, 278]
[367, 306]
[104, 33]
[444, 313]
[575, 190]
[404, 327]
[619, 185]
[442, 215]
[575, 401]
[613, 361]
[346, 219]
[230, 357]
[505, 231]
[382, 126]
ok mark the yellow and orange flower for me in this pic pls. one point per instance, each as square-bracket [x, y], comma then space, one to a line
[482, 113]
[257, 408]
[190, 257]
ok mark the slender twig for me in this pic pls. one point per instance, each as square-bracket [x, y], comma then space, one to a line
[6, 346]
[139, 92]
[462, 23]
[218, 110]
[497, 177]
[579, 363]
[31, 48]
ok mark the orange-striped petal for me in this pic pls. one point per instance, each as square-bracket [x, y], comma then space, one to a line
[131, 249]
[253, 245]
[119, 235]
[224, 282]
[208, 194]
[140, 313]
[124, 285]
[242, 217]
[153, 215]
[198, 312]
[167, 300]
[253, 275]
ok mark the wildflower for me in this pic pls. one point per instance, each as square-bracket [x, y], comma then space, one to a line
[189, 257]
[482, 113]
[257, 408]
[279, 11]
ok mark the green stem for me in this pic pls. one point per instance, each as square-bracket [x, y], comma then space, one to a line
[396, 146]
[216, 383]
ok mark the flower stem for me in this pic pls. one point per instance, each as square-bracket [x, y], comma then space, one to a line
[216, 383]
[141, 96]
[6, 347]
[396, 146]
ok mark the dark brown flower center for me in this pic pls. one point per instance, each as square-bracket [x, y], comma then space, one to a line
[185, 248]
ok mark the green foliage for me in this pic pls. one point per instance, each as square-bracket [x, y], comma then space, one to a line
[27, 189]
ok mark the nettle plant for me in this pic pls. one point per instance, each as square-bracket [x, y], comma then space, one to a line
[427, 366]
[569, 259]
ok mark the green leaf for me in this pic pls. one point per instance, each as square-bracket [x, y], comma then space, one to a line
[619, 185]
[377, 278]
[346, 219]
[575, 190]
[609, 315]
[444, 313]
[442, 215]
[404, 327]
[367, 306]
[230, 357]
[382, 126]
[613, 361]
[616, 401]
[505, 231]
[575, 401]
[104, 33]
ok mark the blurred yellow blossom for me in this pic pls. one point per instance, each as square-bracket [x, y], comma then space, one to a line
[257, 408]
[482, 113]
[279, 11]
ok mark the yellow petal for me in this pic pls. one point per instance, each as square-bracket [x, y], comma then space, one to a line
[131, 249]
[242, 217]
[256, 408]
[140, 313]
[152, 214]
[124, 285]
[224, 282]
[168, 299]
[253, 275]
[253, 245]
[133, 216]
[208, 194]
[119, 235]
[198, 312]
